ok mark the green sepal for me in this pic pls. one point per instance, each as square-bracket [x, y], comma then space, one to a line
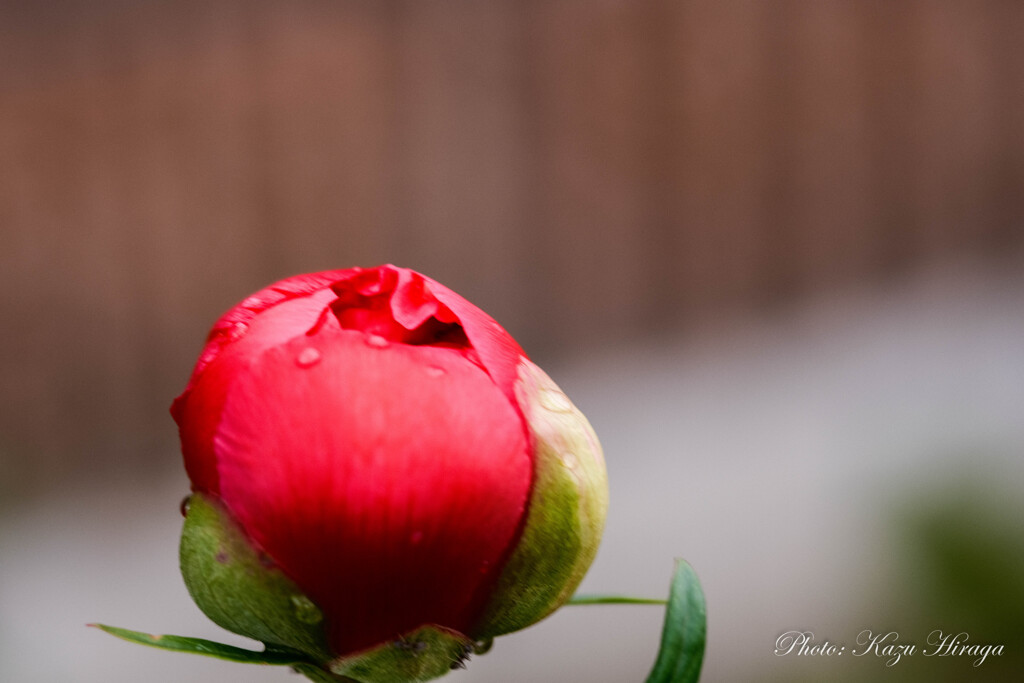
[209, 648]
[243, 591]
[566, 514]
[421, 655]
[240, 589]
[681, 653]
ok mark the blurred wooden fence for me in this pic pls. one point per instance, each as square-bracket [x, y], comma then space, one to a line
[587, 170]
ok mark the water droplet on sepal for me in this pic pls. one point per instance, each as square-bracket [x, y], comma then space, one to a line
[305, 610]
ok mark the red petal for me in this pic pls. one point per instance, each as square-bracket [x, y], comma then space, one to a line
[197, 411]
[234, 324]
[498, 351]
[387, 482]
[411, 299]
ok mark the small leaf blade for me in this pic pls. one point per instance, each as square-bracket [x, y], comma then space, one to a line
[589, 599]
[208, 648]
[685, 631]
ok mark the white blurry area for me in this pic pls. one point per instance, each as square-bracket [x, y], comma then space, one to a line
[767, 452]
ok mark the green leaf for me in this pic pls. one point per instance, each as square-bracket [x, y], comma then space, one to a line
[683, 635]
[209, 648]
[586, 599]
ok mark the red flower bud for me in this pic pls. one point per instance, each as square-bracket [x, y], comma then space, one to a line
[381, 476]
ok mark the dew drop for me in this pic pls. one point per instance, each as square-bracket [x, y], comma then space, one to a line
[555, 401]
[569, 461]
[238, 330]
[376, 341]
[308, 357]
[184, 505]
[416, 537]
[435, 371]
[305, 610]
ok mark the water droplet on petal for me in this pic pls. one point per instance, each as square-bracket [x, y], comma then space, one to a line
[184, 505]
[435, 371]
[305, 610]
[308, 357]
[237, 330]
[569, 461]
[416, 537]
[555, 401]
[376, 341]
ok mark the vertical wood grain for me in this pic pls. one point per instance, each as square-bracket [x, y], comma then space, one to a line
[588, 171]
[463, 152]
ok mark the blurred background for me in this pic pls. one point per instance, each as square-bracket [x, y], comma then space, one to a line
[773, 248]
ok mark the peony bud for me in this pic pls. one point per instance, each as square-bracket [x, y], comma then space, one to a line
[382, 480]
